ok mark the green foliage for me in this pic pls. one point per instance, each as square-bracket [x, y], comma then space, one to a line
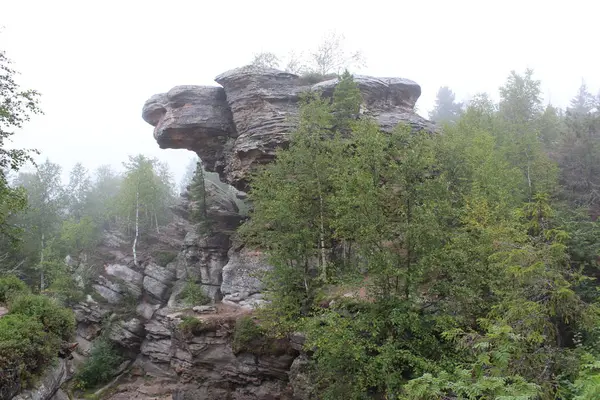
[55, 319]
[190, 326]
[446, 109]
[100, 366]
[11, 286]
[81, 235]
[247, 336]
[466, 277]
[16, 108]
[145, 195]
[163, 258]
[64, 288]
[312, 78]
[26, 349]
[197, 191]
[193, 294]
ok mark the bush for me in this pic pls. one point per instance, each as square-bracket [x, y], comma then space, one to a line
[190, 326]
[193, 294]
[11, 286]
[55, 319]
[64, 289]
[26, 348]
[163, 258]
[247, 336]
[312, 78]
[100, 367]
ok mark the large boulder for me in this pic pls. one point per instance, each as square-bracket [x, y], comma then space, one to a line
[235, 127]
[189, 115]
[49, 384]
[243, 277]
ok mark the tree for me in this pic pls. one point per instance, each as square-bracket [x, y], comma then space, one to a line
[42, 219]
[78, 191]
[197, 191]
[583, 102]
[103, 194]
[265, 60]
[190, 170]
[144, 197]
[446, 109]
[518, 131]
[551, 126]
[16, 108]
[295, 63]
[520, 98]
[578, 153]
[330, 56]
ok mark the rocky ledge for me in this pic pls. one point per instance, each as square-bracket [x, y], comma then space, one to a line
[240, 124]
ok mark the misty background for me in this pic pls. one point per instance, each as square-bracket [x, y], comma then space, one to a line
[96, 63]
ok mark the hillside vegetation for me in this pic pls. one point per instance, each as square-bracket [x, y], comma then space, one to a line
[474, 251]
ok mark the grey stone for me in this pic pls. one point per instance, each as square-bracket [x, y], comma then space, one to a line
[49, 383]
[146, 310]
[155, 288]
[242, 274]
[60, 395]
[108, 294]
[300, 382]
[158, 350]
[159, 273]
[205, 309]
[128, 334]
[131, 278]
[240, 125]
[190, 114]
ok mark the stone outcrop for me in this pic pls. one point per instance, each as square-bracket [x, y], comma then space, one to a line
[203, 362]
[233, 128]
[242, 278]
[239, 125]
[49, 384]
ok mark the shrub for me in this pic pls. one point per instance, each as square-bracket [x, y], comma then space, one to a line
[11, 286]
[100, 366]
[163, 258]
[193, 294]
[190, 326]
[55, 319]
[312, 78]
[64, 289]
[26, 348]
[247, 336]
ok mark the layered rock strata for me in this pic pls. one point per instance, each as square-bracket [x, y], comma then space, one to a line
[239, 125]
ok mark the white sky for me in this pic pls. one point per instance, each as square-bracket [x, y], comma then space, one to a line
[96, 62]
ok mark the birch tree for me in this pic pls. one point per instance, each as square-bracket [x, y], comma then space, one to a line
[42, 219]
[144, 197]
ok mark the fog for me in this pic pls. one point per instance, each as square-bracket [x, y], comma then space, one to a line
[96, 63]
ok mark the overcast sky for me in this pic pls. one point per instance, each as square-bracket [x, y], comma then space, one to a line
[96, 62]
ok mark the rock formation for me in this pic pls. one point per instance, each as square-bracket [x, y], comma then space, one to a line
[233, 128]
[239, 125]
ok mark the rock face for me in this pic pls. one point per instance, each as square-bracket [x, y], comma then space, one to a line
[48, 386]
[242, 282]
[202, 363]
[239, 125]
[233, 128]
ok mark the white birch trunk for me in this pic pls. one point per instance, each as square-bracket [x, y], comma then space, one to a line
[137, 218]
[42, 277]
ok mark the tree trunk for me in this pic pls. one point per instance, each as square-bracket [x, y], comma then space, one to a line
[322, 230]
[42, 278]
[156, 219]
[137, 218]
